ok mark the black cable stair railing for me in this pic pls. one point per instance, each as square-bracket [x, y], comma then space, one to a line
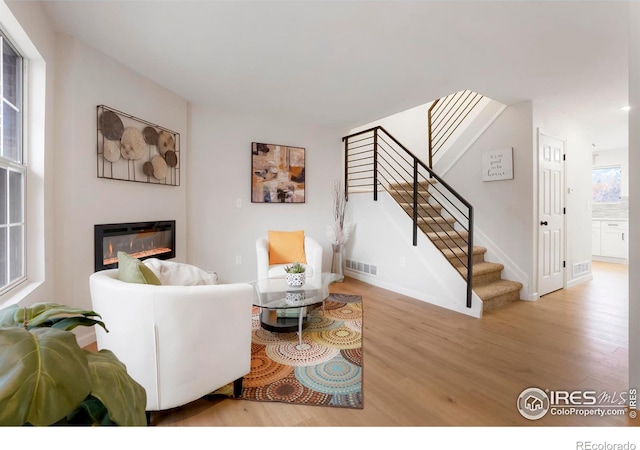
[374, 159]
[446, 115]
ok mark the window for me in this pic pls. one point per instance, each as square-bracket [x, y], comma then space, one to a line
[12, 169]
[606, 184]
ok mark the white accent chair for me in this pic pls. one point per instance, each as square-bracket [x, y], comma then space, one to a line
[179, 342]
[313, 255]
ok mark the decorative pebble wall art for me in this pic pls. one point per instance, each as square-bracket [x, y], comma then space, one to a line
[133, 149]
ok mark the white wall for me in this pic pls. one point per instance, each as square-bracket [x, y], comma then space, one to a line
[220, 176]
[410, 127]
[85, 79]
[218, 153]
[421, 271]
[634, 195]
[503, 210]
[27, 25]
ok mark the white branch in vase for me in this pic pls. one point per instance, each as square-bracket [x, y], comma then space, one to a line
[339, 235]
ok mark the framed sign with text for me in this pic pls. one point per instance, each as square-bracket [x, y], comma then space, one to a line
[497, 165]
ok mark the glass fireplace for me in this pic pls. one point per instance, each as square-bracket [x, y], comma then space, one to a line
[139, 239]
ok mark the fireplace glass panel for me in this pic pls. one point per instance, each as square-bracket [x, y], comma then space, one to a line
[140, 240]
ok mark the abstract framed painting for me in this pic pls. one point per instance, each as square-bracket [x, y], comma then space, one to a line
[277, 173]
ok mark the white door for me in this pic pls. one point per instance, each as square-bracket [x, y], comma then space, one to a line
[550, 213]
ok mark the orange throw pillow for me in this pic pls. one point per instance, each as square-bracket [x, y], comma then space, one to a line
[286, 247]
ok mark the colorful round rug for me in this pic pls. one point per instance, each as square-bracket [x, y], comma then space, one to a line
[326, 370]
[311, 353]
[288, 390]
[336, 377]
[341, 337]
[265, 371]
[349, 311]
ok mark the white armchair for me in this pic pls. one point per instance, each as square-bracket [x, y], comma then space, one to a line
[313, 255]
[179, 342]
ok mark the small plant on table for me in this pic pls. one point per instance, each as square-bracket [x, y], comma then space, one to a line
[295, 274]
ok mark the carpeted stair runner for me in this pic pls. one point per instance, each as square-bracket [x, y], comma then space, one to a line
[488, 283]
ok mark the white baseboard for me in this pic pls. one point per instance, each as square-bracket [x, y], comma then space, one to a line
[609, 259]
[511, 270]
[582, 279]
[85, 336]
[415, 294]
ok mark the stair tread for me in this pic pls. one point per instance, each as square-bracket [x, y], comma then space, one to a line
[456, 252]
[422, 184]
[451, 234]
[489, 286]
[423, 196]
[408, 188]
[448, 242]
[437, 219]
[422, 206]
[426, 204]
[496, 288]
[482, 268]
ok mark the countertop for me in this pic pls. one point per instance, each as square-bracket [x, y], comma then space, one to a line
[611, 219]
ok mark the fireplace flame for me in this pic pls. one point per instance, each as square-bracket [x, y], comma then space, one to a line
[141, 240]
[143, 254]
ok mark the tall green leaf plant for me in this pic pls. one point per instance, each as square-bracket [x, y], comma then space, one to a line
[47, 379]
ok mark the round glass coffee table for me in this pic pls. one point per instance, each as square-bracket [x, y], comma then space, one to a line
[283, 308]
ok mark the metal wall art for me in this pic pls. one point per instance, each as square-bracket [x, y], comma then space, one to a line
[277, 173]
[132, 149]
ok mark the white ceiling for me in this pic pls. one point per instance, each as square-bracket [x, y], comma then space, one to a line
[346, 63]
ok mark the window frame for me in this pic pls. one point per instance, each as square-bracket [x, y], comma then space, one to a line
[11, 165]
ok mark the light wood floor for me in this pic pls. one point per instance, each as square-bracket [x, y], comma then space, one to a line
[426, 366]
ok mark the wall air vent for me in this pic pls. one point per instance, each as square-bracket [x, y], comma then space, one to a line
[580, 268]
[367, 268]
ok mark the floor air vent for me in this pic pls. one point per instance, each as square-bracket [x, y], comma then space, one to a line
[362, 267]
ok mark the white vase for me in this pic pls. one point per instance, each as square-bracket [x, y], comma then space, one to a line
[295, 279]
[337, 260]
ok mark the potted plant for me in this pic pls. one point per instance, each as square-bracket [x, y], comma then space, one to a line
[295, 274]
[47, 379]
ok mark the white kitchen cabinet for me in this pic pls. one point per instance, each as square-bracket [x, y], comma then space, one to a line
[610, 238]
[595, 237]
[613, 239]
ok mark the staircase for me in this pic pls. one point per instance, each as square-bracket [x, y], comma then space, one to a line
[376, 161]
[440, 228]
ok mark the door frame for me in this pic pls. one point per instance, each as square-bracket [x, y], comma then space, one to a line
[536, 224]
